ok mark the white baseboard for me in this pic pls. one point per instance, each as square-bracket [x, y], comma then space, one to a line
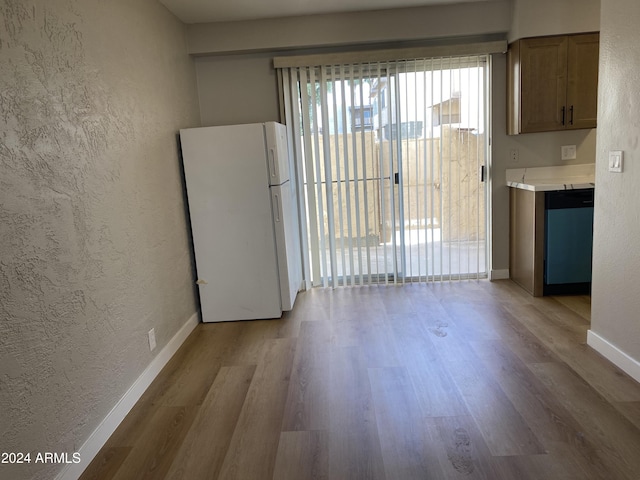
[499, 274]
[100, 435]
[616, 356]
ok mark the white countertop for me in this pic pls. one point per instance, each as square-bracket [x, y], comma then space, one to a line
[543, 179]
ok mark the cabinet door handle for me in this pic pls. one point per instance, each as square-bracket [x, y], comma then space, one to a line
[563, 110]
[571, 115]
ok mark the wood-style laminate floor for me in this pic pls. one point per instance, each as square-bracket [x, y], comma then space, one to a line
[470, 380]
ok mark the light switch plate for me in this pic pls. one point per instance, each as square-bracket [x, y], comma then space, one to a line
[568, 152]
[616, 160]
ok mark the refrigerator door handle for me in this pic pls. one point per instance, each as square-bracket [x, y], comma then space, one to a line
[274, 164]
[276, 198]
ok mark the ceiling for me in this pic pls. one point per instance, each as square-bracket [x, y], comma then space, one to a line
[204, 11]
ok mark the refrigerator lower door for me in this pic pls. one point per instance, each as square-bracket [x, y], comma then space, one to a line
[285, 220]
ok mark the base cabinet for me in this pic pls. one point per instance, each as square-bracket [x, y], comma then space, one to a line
[550, 242]
[526, 239]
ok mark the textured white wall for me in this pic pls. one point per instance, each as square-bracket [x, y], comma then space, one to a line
[94, 249]
[616, 250]
[532, 18]
[402, 24]
[237, 89]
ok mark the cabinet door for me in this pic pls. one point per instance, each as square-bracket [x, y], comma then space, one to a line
[582, 88]
[543, 84]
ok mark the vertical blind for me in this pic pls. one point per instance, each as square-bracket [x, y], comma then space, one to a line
[389, 156]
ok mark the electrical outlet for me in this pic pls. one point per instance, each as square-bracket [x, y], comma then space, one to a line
[152, 339]
[568, 152]
[514, 155]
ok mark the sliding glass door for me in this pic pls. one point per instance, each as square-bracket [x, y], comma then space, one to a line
[390, 155]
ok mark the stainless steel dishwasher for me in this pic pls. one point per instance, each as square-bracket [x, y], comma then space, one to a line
[568, 241]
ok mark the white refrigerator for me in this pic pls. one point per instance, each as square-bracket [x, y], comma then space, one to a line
[244, 220]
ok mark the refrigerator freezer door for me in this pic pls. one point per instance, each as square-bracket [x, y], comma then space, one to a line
[231, 221]
[277, 153]
[285, 221]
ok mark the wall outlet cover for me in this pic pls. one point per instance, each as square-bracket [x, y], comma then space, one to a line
[152, 339]
[568, 152]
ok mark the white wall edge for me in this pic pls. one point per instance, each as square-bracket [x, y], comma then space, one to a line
[100, 435]
[499, 274]
[624, 362]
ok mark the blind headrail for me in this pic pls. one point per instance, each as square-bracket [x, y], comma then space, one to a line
[387, 55]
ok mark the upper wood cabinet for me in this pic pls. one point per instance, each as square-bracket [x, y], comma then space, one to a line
[552, 83]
